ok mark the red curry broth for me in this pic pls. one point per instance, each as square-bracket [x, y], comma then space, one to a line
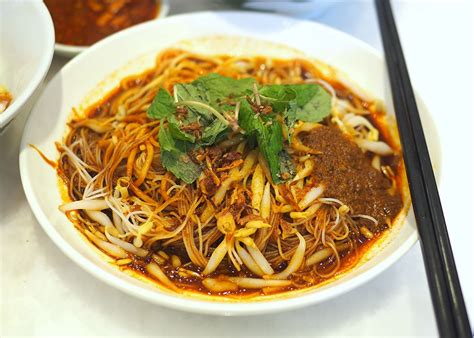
[84, 22]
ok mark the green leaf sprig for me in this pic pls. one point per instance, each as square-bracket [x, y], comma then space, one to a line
[204, 111]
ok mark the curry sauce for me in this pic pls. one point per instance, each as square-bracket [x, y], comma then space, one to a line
[84, 22]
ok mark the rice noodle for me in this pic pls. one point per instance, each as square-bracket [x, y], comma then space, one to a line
[325, 253]
[305, 214]
[99, 217]
[125, 245]
[357, 120]
[306, 171]
[376, 147]
[216, 257]
[258, 184]
[217, 285]
[266, 206]
[295, 261]
[248, 260]
[84, 204]
[154, 270]
[109, 248]
[257, 283]
[260, 259]
[312, 195]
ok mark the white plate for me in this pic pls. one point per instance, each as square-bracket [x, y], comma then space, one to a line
[70, 50]
[80, 83]
[26, 51]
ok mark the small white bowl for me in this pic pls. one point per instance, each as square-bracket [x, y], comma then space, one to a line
[71, 51]
[27, 45]
[97, 71]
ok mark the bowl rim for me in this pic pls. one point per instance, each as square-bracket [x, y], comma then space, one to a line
[41, 71]
[193, 304]
[71, 50]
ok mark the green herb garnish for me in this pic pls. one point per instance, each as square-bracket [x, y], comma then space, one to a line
[204, 111]
[175, 158]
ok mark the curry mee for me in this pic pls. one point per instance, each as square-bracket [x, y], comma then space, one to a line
[232, 176]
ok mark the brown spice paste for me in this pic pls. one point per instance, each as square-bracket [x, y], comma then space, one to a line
[348, 175]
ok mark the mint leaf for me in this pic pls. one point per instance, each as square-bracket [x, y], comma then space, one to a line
[313, 102]
[279, 96]
[290, 118]
[270, 142]
[188, 92]
[215, 90]
[213, 133]
[305, 102]
[181, 166]
[287, 169]
[174, 156]
[162, 105]
[269, 135]
[218, 89]
[248, 120]
[167, 142]
[174, 128]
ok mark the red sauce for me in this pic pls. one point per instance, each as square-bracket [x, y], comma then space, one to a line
[84, 22]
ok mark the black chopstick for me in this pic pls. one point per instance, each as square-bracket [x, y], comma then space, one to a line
[446, 293]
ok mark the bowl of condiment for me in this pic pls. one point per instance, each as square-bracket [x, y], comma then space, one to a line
[27, 40]
[81, 23]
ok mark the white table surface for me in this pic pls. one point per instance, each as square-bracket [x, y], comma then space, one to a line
[42, 292]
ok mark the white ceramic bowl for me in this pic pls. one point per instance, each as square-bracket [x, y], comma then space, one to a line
[96, 71]
[27, 46]
[70, 50]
